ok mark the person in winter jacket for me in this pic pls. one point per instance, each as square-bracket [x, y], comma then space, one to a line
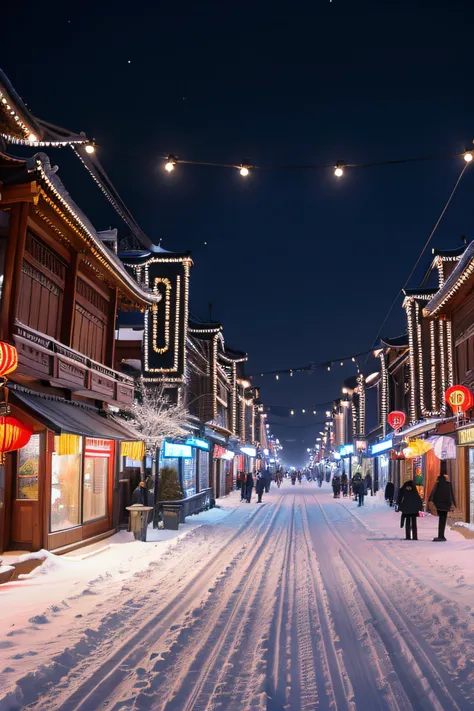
[368, 484]
[336, 486]
[260, 485]
[410, 504]
[142, 495]
[243, 477]
[344, 484]
[389, 492]
[268, 479]
[248, 487]
[293, 478]
[442, 497]
[358, 488]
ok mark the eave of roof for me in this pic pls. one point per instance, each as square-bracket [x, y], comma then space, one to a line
[456, 280]
[52, 187]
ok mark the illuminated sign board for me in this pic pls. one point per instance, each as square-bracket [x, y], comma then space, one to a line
[347, 449]
[459, 398]
[178, 450]
[199, 443]
[466, 436]
[380, 447]
[250, 451]
[396, 419]
[361, 445]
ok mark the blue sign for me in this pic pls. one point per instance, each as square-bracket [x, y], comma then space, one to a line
[177, 450]
[199, 443]
[380, 447]
[347, 449]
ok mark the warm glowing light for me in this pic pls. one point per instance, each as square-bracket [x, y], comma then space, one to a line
[328, 413]
[244, 171]
[170, 163]
[277, 377]
[303, 411]
[344, 390]
[468, 157]
[90, 148]
[314, 412]
[339, 169]
[32, 138]
[292, 412]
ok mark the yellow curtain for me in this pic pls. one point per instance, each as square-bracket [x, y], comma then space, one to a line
[133, 450]
[67, 444]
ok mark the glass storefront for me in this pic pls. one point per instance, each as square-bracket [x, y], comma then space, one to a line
[203, 470]
[28, 468]
[80, 479]
[96, 472]
[66, 483]
[189, 477]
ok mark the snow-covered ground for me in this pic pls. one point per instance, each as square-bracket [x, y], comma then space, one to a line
[302, 603]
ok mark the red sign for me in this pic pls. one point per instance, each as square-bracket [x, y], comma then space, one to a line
[98, 448]
[396, 419]
[459, 398]
[361, 445]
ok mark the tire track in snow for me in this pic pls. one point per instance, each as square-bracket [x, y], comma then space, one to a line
[222, 641]
[339, 690]
[422, 681]
[95, 680]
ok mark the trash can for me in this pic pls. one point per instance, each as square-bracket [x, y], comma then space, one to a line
[171, 516]
[139, 520]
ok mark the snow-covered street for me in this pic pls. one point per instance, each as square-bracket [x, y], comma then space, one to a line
[304, 602]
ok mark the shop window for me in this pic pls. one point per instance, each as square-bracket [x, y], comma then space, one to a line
[189, 477]
[96, 470]
[28, 467]
[66, 482]
[203, 470]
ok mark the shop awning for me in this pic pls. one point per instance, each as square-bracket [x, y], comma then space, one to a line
[66, 417]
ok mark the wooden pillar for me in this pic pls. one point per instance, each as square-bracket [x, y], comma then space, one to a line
[13, 267]
[111, 320]
[69, 300]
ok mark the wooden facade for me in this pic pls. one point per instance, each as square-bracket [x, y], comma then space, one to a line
[61, 288]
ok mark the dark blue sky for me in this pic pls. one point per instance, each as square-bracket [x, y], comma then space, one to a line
[300, 266]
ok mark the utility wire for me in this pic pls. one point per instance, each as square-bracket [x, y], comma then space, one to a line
[453, 191]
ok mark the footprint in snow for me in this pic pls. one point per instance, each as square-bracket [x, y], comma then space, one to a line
[39, 620]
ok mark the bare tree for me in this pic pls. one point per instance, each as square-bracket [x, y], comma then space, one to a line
[154, 418]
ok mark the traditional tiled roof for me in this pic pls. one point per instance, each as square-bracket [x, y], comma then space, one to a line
[459, 277]
[51, 189]
[396, 342]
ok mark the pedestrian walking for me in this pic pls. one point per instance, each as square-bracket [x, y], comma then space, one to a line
[410, 505]
[293, 478]
[368, 484]
[344, 484]
[279, 477]
[260, 486]
[442, 497]
[336, 486]
[248, 487]
[267, 479]
[390, 492]
[300, 478]
[358, 488]
[243, 478]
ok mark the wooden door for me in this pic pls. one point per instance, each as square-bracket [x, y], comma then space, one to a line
[25, 496]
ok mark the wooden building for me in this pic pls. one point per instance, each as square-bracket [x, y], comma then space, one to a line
[61, 288]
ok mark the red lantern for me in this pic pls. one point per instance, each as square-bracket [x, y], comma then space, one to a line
[8, 359]
[13, 434]
[459, 398]
[396, 419]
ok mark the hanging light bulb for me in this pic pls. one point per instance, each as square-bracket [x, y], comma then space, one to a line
[342, 363]
[90, 148]
[468, 156]
[314, 412]
[303, 411]
[32, 138]
[277, 377]
[170, 163]
[292, 412]
[291, 373]
[329, 367]
[244, 171]
[353, 360]
[339, 169]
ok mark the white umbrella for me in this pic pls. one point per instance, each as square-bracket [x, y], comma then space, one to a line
[444, 447]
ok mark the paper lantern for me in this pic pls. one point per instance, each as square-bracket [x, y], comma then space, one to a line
[13, 434]
[416, 447]
[396, 419]
[8, 359]
[459, 398]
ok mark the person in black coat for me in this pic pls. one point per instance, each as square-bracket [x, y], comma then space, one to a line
[390, 492]
[248, 487]
[242, 485]
[260, 485]
[368, 484]
[142, 495]
[410, 504]
[442, 497]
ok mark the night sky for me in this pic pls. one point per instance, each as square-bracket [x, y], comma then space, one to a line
[299, 266]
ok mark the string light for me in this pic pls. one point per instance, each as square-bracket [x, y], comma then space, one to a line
[170, 163]
[314, 412]
[468, 157]
[292, 412]
[32, 138]
[244, 170]
[90, 148]
[303, 411]
[277, 377]
[339, 169]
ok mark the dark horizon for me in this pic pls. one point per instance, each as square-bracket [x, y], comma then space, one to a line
[300, 266]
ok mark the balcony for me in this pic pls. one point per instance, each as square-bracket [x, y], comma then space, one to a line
[44, 358]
